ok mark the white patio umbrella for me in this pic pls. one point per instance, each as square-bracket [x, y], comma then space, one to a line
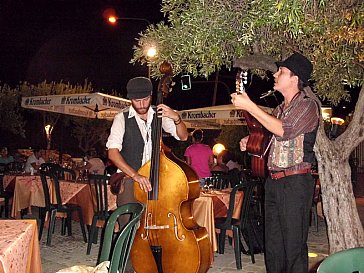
[214, 117]
[88, 105]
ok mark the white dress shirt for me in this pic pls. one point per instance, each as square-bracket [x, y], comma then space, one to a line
[115, 139]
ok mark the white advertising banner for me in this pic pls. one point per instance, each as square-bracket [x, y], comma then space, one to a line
[88, 105]
[214, 117]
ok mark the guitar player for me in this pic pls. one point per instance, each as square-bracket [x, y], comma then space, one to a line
[289, 186]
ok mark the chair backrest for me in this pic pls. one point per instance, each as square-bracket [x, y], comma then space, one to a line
[247, 187]
[248, 196]
[234, 177]
[346, 261]
[58, 170]
[3, 168]
[55, 184]
[1, 183]
[116, 249]
[98, 186]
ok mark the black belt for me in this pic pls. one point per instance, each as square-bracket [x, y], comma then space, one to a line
[281, 174]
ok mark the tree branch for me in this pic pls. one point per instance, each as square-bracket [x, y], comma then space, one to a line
[256, 61]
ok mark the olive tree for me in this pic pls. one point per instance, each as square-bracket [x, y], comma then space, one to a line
[10, 115]
[202, 36]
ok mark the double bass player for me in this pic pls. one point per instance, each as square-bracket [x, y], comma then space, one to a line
[130, 142]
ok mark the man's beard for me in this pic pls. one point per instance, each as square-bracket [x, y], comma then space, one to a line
[141, 111]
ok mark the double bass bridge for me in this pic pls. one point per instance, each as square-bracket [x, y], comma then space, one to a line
[149, 226]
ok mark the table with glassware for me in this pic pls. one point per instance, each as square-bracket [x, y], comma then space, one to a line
[28, 192]
[19, 246]
[212, 204]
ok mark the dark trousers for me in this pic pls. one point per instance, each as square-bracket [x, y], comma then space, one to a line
[287, 211]
[127, 196]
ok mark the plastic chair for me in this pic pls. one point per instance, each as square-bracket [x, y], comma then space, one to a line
[346, 261]
[122, 242]
[59, 171]
[5, 195]
[236, 225]
[52, 209]
[98, 186]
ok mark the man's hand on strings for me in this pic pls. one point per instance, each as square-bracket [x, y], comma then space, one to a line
[165, 111]
[143, 182]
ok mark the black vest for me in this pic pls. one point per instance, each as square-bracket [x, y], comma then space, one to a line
[133, 143]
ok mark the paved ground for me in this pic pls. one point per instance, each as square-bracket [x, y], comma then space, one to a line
[67, 251]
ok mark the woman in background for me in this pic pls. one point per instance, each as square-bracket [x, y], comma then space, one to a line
[199, 156]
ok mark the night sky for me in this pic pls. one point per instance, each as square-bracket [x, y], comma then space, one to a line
[70, 40]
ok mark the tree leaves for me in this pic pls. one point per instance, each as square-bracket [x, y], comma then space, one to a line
[201, 37]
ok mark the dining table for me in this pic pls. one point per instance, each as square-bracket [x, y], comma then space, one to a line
[212, 204]
[19, 247]
[28, 192]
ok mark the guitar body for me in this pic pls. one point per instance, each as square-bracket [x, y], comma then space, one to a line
[258, 142]
[259, 137]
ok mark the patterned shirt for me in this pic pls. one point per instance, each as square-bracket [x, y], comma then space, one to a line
[300, 118]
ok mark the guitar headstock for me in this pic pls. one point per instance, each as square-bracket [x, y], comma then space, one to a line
[241, 80]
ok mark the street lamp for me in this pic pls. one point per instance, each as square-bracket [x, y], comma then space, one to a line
[113, 19]
[150, 51]
[218, 148]
[48, 129]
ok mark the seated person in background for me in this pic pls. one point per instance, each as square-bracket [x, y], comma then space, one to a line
[94, 164]
[199, 156]
[221, 162]
[230, 162]
[4, 156]
[35, 160]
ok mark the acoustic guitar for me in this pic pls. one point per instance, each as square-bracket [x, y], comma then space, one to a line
[259, 137]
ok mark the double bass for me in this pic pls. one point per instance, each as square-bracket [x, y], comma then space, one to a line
[168, 239]
[259, 137]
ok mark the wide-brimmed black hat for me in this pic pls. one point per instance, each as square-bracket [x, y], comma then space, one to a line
[299, 65]
[139, 87]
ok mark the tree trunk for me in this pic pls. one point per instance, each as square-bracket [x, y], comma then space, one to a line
[344, 227]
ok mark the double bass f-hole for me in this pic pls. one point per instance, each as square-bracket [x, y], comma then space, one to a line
[150, 226]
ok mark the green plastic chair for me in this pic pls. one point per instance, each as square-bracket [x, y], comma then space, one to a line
[346, 261]
[116, 247]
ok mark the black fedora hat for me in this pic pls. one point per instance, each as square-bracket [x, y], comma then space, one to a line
[299, 65]
[139, 88]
